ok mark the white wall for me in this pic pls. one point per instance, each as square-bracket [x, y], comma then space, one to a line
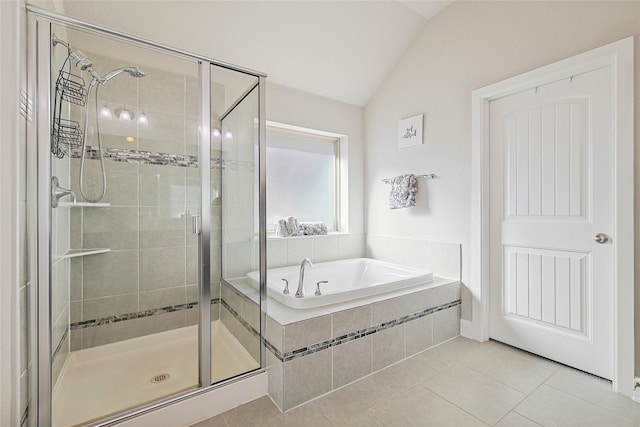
[467, 46]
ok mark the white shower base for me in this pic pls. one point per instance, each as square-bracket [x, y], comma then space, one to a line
[104, 380]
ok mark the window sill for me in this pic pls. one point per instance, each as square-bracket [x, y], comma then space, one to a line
[272, 236]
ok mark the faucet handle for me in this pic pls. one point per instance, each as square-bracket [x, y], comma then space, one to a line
[286, 286]
[318, 293]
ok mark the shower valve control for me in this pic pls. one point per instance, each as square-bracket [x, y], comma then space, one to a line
[195, 224]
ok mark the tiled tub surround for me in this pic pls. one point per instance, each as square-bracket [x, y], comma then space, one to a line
[313, 351]
[444, 259]
[239, 310]
[289, 251]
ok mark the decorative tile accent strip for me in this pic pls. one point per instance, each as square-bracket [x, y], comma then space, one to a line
[314, 348]
[304, 351]
[240, 319]
[25, 415]
[251, 330]
[137, 315]
[135, 156]
[59, 347]
[157, 158]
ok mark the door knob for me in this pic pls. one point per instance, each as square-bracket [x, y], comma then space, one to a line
[601, 238]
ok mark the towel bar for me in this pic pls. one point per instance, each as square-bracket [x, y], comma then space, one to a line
[427, 176]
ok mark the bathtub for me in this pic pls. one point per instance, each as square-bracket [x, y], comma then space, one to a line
[347, 280]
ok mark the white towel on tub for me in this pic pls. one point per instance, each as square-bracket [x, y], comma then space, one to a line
[312, 228]
[286, 227]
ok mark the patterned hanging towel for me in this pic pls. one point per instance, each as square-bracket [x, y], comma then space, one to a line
[403, 191]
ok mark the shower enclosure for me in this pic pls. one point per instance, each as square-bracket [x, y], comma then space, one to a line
[147, 207]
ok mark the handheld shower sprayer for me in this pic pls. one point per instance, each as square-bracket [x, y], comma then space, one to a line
[133, 71]
[81, 61]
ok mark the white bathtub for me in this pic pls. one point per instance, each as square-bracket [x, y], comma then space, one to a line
[348, 279]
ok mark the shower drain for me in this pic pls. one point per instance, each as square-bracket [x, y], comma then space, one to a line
[160, 378]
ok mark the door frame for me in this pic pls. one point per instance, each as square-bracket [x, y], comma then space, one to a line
[618, 55]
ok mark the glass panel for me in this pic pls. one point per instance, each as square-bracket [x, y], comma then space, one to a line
[301, 178]
[235, 345]
[124, 264]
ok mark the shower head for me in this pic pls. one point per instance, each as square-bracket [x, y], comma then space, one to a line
[133, 71]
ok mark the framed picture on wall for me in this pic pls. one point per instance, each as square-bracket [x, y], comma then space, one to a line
[410, 131]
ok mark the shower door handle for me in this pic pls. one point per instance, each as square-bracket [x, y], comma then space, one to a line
[195, 224]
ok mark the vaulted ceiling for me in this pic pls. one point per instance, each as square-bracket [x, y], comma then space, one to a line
[337, 49]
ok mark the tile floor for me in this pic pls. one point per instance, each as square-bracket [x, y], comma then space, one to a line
[458, 383]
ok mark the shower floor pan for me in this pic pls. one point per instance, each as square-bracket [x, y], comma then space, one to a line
[108, 379]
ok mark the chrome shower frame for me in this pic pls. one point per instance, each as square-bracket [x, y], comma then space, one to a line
[39, 29]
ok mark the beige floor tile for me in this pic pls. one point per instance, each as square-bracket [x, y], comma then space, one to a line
[351, 400]
[516, 369]
[594, 390]
[483, 397]
[252, 412]
[263, 412]
[516, 352]
[514, 419]
[217, 421]
[551, 407]
[404, 375]
[362, 420]
[420, 407]
[451, 352]
[305, 415]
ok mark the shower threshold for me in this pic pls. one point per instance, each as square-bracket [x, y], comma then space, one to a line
[102, 381]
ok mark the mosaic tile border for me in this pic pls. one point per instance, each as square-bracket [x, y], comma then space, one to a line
[333, 342]
[59, 347]
[240, 319]
[252, 330]
[158, 158]
[25, 415]
[136, 315]
[282, 357]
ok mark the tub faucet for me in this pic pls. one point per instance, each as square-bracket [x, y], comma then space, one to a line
[305, 262]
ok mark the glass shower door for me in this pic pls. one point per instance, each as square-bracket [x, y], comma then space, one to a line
[236, 344]
[124, 273]
[147, 193]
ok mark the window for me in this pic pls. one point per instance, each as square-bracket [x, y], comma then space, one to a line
[303, 176]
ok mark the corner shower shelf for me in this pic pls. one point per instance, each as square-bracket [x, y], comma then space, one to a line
[84, 204]
[73, 253]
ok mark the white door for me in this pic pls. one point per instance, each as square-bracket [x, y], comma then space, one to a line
[551, 174]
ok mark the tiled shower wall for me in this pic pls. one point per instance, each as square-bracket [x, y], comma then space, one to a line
[153, 262]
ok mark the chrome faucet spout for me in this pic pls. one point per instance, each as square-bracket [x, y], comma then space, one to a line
[300, 291]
